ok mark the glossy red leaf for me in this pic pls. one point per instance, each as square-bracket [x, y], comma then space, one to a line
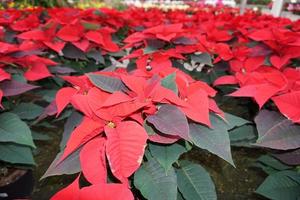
[4, 75]
[106, 192]
[71, 192]
[125, 148]
[70, 33]
[198, 107]
[261, 35]
[260, 92]
[56, 46]
[33, 35]
[63, 98]
[1, 96]
[37, 71]
[80, 102]
[93, 161]
[223, 80]
[289, 105]
[7, 48]
[87, 129]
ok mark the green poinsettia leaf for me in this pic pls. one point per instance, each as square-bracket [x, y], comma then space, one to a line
[13, 129]
[166, 155]
[194, 182]
[154, 182]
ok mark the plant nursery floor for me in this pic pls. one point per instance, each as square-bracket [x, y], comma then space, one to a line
[231, 183]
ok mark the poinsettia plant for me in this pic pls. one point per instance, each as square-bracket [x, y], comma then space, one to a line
[134, 128]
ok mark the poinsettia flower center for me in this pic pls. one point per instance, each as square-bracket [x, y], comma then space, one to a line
[148, 100]
[111, 124]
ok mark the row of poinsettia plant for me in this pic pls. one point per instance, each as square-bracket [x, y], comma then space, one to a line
[142, 113]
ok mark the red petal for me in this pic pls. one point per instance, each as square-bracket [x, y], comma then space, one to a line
[136, 84]
[88, 129]
[1, 96]
[83, 44]
[7, 48]
[33, 35]
[92, 161]
[166, 37]
[163, 95]
[261, 92]
[4, 75]
[95, 36]
[80, 102]
[70, 33]
[261, 35]
[253, 63]
[198, 109]
[125, 148]
[56, 46]
[116, 98]
[223, 80]
[289, 105]
[63, 98]
[106, 192]
[70, 192]
[214, 108]
[37, 71]
[279, 62]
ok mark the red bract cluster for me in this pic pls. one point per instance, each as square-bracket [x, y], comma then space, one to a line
[265, 71]
[25, 36]
[116, 107]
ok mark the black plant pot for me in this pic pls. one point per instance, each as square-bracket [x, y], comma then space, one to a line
[20, 189]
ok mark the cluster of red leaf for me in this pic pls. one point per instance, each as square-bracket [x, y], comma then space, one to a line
[261, 56]
[116, 105]
[268, 70]
[27, 35]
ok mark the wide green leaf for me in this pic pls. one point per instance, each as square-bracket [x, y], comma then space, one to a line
[243, 136]
[169, 82]
[278, 186]
[166, 155]
[154, 182]
[215, 140]
[273, 162]
[97, 56]
[16, 154]
[12, 129]
[194, 182]
[28, 110]
[234, 121]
